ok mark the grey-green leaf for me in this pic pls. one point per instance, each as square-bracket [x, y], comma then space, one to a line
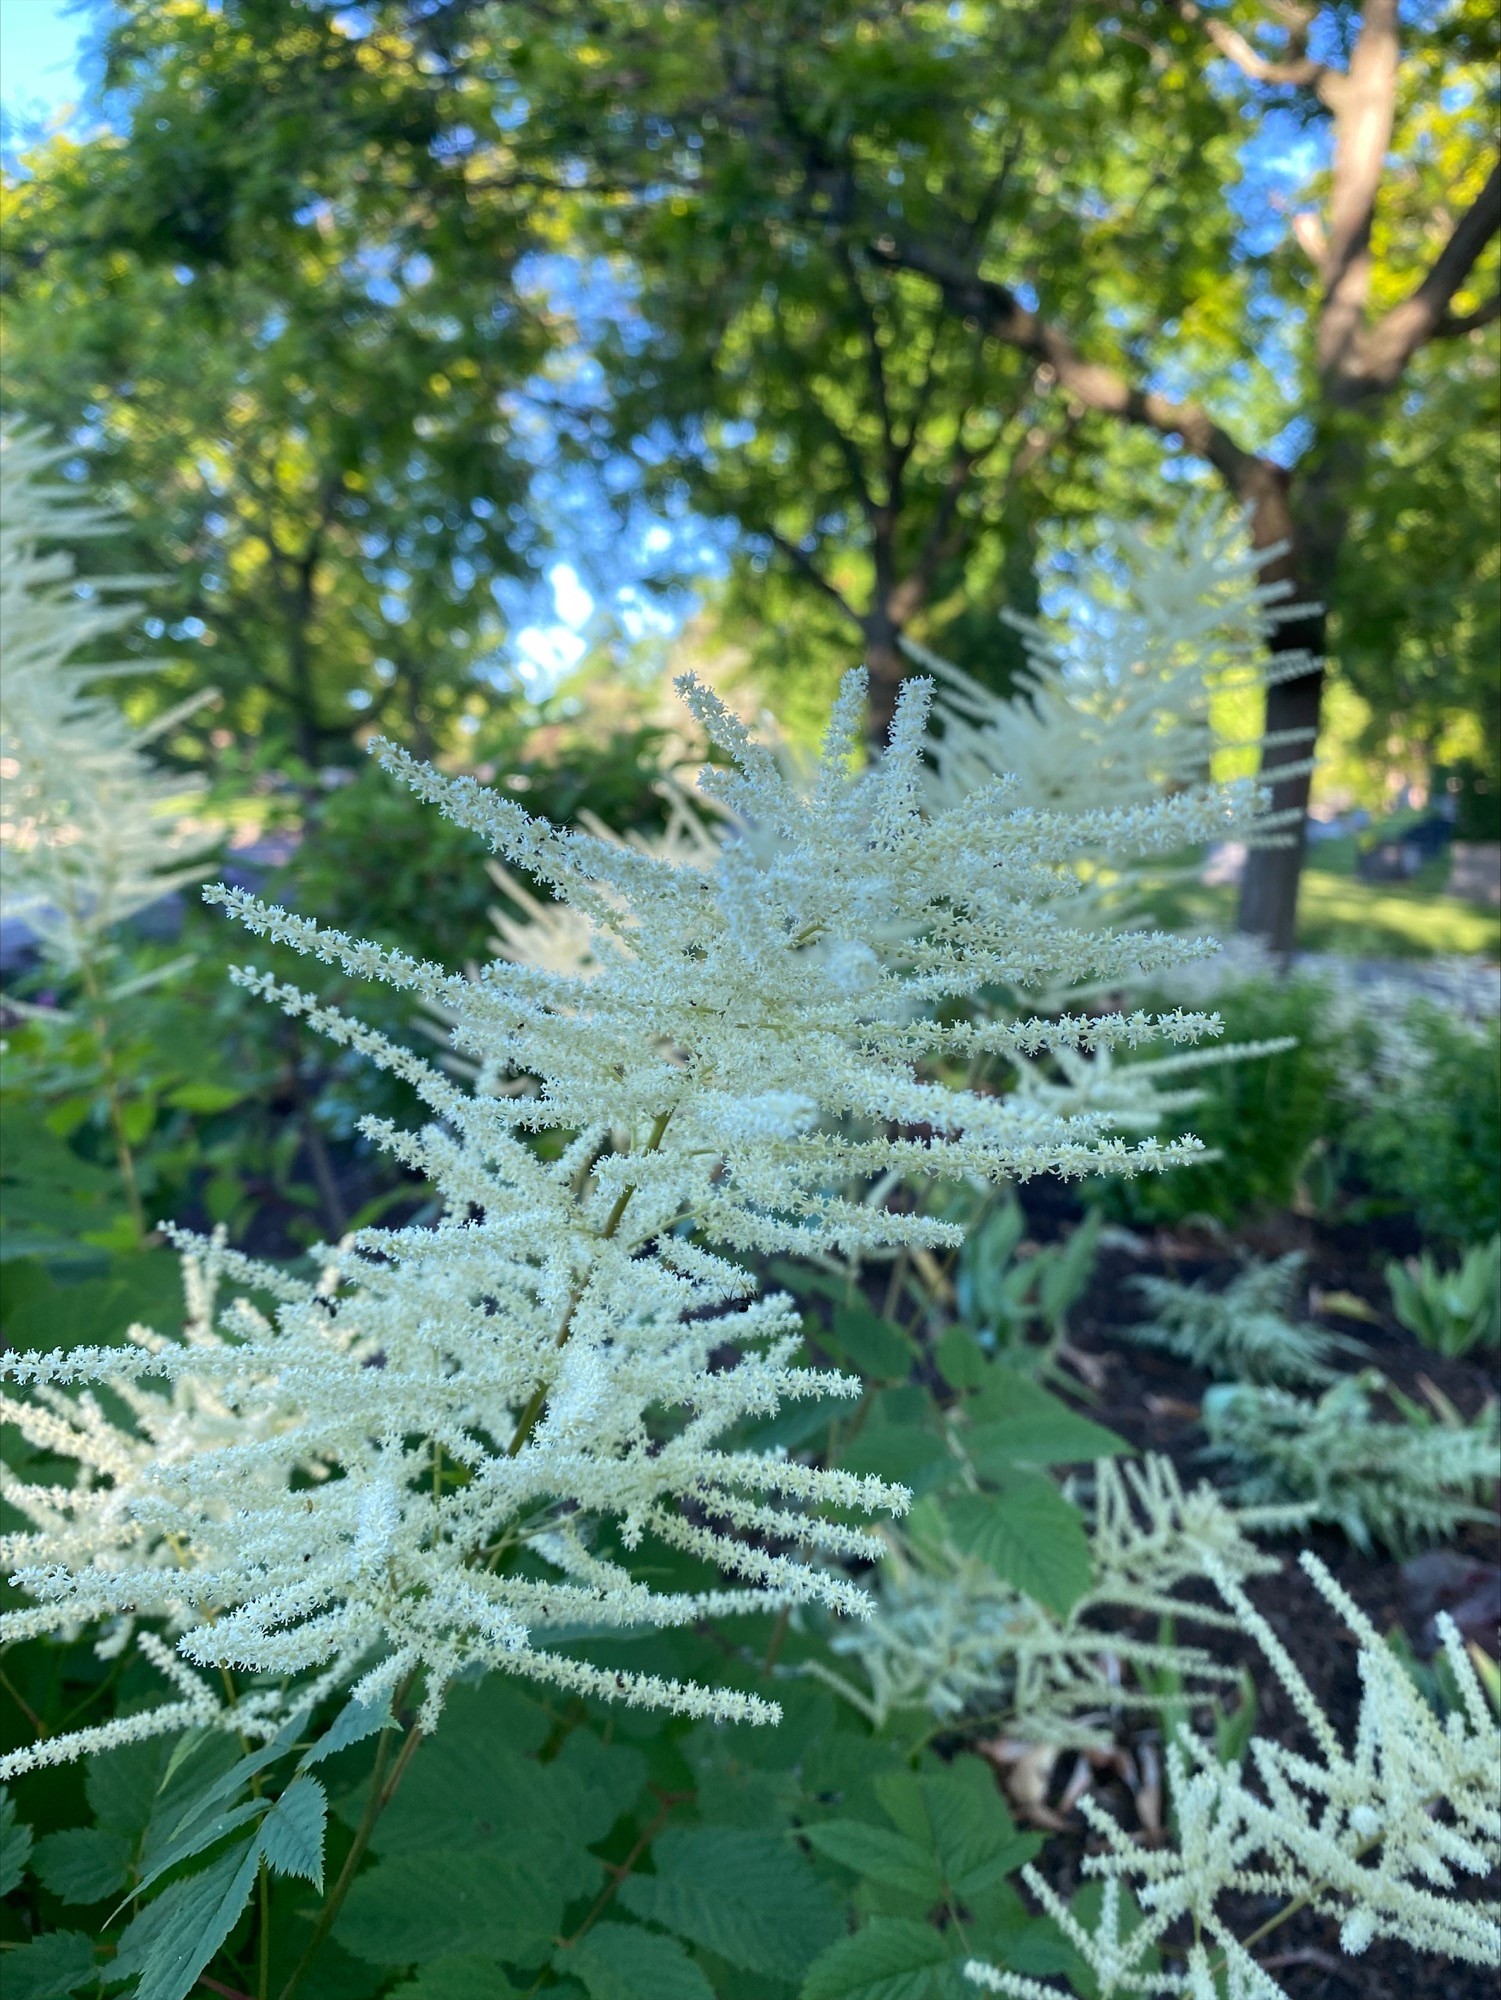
[84, 1864]
[49, 1968]
[748, 1897]
[192, 1918]
[292, 1832]
[619, 1962]
[15, 1845]
[355, 1721]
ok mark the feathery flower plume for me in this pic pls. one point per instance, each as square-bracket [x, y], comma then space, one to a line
[91, 832]
[448, 1451]
[1120, 710]
[1379, 1834]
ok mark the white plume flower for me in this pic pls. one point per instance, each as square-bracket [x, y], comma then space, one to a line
[449, 1449]
[1119, 711]
[91, 831]
[951, 1636]
[1387, 1834]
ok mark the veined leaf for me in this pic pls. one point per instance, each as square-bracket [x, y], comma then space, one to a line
[15, 1845]
[749, 1898]
[292, 1832]
[49, 1968]
[1030, 1535]
[465, 1978]
[890, 1958]
[495, 1902]
[83, 1864]
[964, 1826]
[619, 1962]
[188, 1923]
[880, 1855]
[1015, 1421]
[354, 1722]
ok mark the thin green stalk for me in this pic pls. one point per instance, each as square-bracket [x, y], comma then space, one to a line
[263, 1957]
[382, 1791]
[114, 1097]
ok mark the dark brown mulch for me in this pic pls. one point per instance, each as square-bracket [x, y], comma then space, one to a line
[1154, 1401]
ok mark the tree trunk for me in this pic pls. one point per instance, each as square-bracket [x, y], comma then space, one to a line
[1269, 888]
[1312, 521]
[886, 664]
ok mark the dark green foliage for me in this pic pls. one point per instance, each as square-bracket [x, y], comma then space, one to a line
[1432, 1150]
[379, 862]
[1262, 1118]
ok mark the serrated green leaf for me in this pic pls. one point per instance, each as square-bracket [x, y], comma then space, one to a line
[200, 1836]
[961, 1822]
[84, 1864]
[960, 1358]
[619, 1962]
[468, 1788]
[872, 1345]
[464, 1978]
[200, 1802]
[204, 1098]
[890, 1958]
[1030, 1535]
[1015, 1420]
[1061, 1439]
[121, 1785]
[880, 1855]
[495, 1901]
[15, 1844]
[292, 1832]
[750, 1898]
[895, 1443]
[50, 1967]
[354, 1722]
[175, 1936]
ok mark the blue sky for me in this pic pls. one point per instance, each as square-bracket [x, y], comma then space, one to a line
[39, 46]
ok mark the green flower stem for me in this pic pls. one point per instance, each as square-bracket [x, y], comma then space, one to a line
[382, 1791]
[114, 1097]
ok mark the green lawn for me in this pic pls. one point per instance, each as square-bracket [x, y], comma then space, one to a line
[1338, 913]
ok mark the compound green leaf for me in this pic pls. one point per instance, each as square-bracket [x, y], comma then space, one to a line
[49, 1968]
[1030, 1535]
[891, 1958]
[15, 1845]
[619, 1962]
[964, 1826]
[748, 1897]
[84, 1864]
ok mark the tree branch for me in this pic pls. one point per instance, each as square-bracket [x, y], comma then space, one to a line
[1362, 133]
[1452, 325]
[1423, 314]
[997, 311]
[1300, 71]
[804, 563]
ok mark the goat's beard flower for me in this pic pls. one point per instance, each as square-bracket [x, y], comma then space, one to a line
[450, 1447]
[91, 832]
